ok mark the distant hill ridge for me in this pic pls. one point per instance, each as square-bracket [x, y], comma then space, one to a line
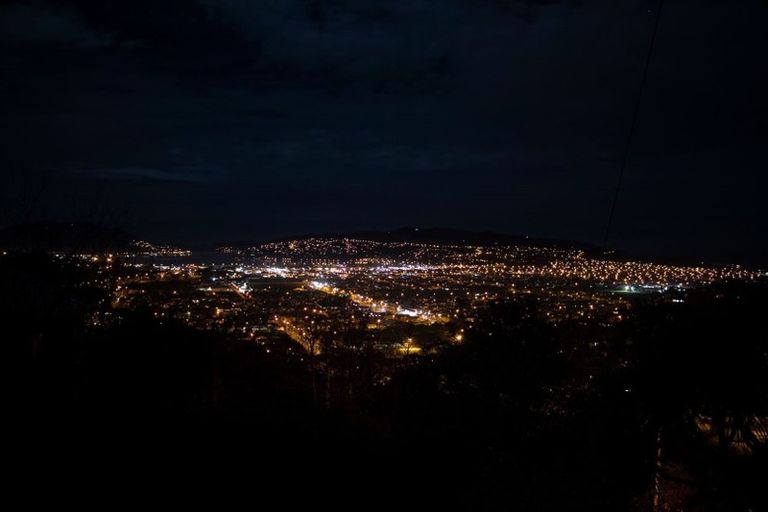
[448, 236]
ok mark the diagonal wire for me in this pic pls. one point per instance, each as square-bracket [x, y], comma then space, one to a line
[633, 126]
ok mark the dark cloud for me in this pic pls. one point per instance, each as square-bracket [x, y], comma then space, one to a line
[161, 175]
[170, 24]
[41, 24]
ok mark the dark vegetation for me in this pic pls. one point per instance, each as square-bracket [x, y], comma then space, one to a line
[523, 416]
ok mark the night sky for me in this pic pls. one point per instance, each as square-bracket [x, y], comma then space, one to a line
[212, 120]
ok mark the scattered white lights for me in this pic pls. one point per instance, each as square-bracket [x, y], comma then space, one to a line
[317, 291]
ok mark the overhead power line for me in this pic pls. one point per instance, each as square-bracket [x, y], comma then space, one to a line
[633, 126]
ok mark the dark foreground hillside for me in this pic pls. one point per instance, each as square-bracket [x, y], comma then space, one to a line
[116, 407]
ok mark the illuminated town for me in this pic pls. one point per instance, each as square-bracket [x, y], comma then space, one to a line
[401, 298]
[549, 333]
